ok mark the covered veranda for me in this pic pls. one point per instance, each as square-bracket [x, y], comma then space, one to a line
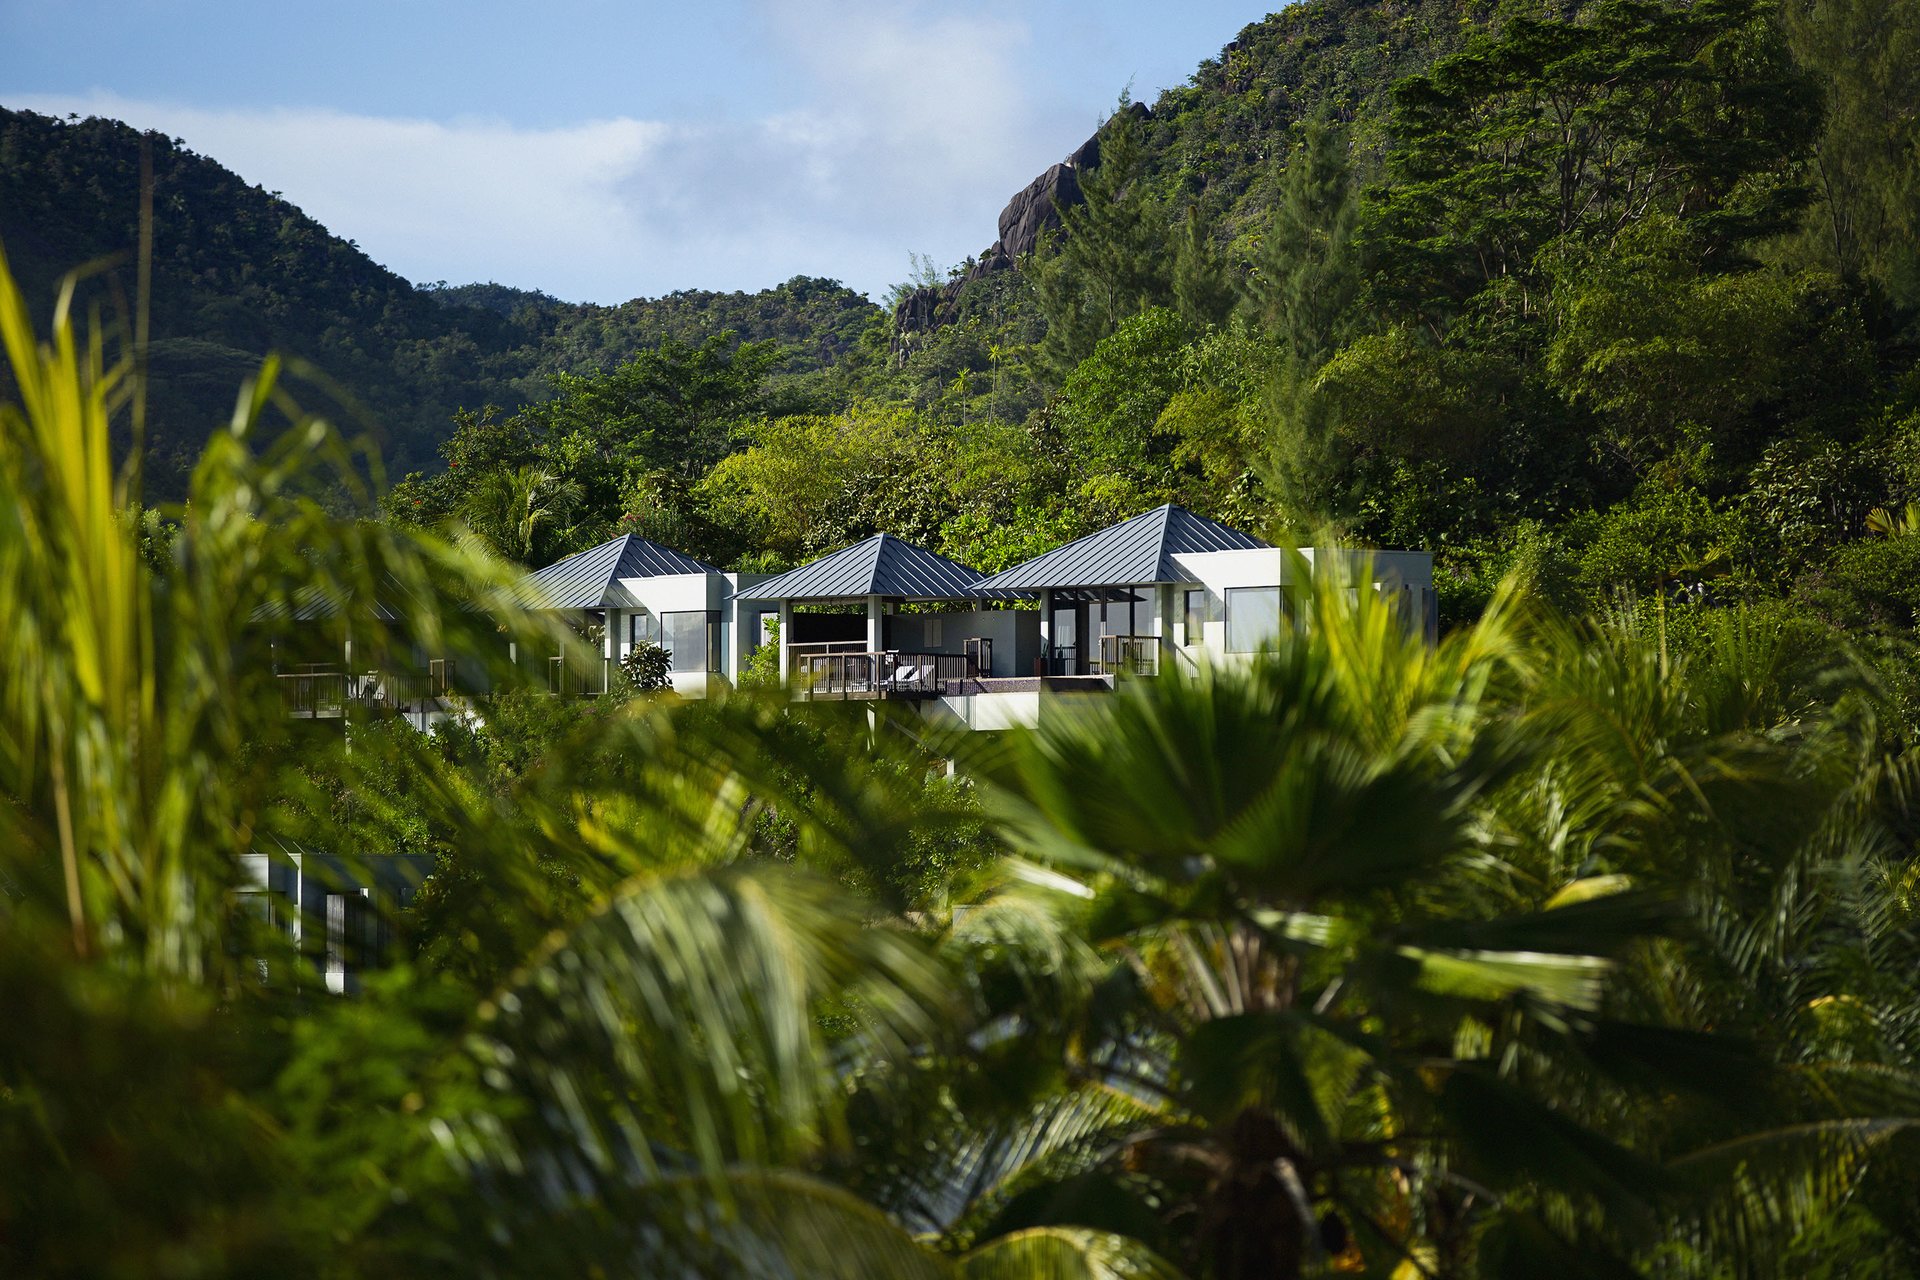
[1110, 602]
[885, 618]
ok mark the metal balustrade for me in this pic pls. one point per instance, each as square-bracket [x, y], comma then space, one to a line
[1129, 655]
[324, 692]
[578, 677]
[1116, 655]
[844, 676]
[314, 693]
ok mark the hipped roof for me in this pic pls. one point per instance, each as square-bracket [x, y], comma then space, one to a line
[1133, 552]
[590, 579]
[883, 565]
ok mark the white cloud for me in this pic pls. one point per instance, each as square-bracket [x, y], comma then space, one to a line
[913, 128]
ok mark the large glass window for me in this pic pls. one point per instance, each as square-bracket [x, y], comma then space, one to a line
[1125, 613]
[1196, 617]
[642, 628]
[684, 636]
[1253, 618]
[1066, 624]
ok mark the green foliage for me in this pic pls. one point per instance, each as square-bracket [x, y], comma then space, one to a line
[1663, 353]
[1401, 393]
[1111, 402]
[611, 453]
[1869, 587]
[761, 670]
[510, 509]
[798, 487]
[1811, 495]
[1112, 260]
[1577, 129]
[1304, 279]
[645, 668]
[1665, 539]
[1865, 54]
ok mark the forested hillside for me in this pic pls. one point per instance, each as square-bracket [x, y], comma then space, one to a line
[1621, 294]
[239, 271]
[1581, 942]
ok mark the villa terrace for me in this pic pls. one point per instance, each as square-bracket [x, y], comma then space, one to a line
[887, 620]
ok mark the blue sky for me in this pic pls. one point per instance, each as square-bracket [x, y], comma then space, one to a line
[604, 151]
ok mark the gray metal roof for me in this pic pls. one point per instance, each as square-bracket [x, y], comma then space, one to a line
[1133, 552]
[883, 565]
[311, 604]
[590, 579]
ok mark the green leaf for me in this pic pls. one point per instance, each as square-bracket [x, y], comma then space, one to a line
[1063, 1253]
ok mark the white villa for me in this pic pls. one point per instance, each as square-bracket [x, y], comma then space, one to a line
[880, 620]
[631, 591]
[885, 619]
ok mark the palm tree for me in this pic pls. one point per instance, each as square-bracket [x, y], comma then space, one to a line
[1359, 957]
[1367, 955]
[1894, 524]
[1279, 871]
[511, 508]
[648, 1092]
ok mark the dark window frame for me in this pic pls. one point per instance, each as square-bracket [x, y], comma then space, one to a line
[1194, 620]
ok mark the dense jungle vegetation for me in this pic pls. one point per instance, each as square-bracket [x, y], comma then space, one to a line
[238, 271]
[1621, 296]
[1584, 943]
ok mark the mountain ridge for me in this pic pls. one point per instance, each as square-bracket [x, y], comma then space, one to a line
[239, 271]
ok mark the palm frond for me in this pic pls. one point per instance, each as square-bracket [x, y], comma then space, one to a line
[1059, 1253]
[728, 1224]
[1756, 1192]
[988, 1161]
[679, 1026]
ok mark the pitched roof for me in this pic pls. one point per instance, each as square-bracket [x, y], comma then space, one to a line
[1135, 551]
[392, 602]
[590, 579]
[883, 565]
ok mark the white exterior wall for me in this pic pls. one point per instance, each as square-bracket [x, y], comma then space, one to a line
[740, 619]
[705, 593]
[336, 912]
[1218, 571]
[670, 593]
[988, 711]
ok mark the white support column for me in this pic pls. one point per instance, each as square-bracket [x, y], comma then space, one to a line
[349, 687]
[610, 648]
[876, 625]
[1046, 631]
[786, 640]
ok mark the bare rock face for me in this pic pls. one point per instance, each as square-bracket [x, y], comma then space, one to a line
[1036, 211]
[1027, 220]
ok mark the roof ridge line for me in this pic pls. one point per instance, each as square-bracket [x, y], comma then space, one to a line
[1161, 558]
[879, 541]
[1085, 537]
